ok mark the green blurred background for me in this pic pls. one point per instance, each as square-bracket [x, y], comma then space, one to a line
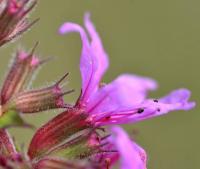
[159, 39]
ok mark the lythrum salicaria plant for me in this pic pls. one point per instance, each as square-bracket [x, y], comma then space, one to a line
[77, 137]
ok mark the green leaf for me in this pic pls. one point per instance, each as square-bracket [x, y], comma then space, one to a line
[11, 118]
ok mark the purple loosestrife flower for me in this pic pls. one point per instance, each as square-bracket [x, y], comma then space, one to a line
[122, 101]
[75, 139]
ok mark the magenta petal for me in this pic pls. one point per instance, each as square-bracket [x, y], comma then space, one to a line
[179, 98]
[97, 47]
[126, 92]
[132, 155]
[176, 100]
[94, 61]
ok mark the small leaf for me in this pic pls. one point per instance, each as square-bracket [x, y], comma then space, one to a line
[12, 118]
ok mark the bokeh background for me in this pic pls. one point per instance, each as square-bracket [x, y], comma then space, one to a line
[159, 39]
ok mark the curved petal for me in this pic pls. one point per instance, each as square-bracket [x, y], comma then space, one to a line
[132, 155]
[97, 47]
[94, 61]
[176, 100]
[180, 96]
[127, 91]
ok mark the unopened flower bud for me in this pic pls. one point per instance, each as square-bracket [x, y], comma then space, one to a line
[21, 70]
[13, 21]
[39, 100]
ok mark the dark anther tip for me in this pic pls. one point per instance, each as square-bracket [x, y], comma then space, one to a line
[155, 100]
[141, 110]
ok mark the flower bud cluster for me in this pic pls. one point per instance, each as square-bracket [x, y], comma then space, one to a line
[16, 97]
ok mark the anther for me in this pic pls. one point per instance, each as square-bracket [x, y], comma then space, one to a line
[155, 100]
[140, 110]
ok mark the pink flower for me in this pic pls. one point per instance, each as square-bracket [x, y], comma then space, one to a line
[125, 99]
[122, 101]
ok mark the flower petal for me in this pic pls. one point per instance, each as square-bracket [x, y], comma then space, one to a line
[179, 98]
[126, 92]
[94, 61]
[132, 155]
[97, 47]
[176, 100]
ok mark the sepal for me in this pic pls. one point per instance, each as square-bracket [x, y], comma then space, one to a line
[40, 99]
[20, 72]
[56, 131]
